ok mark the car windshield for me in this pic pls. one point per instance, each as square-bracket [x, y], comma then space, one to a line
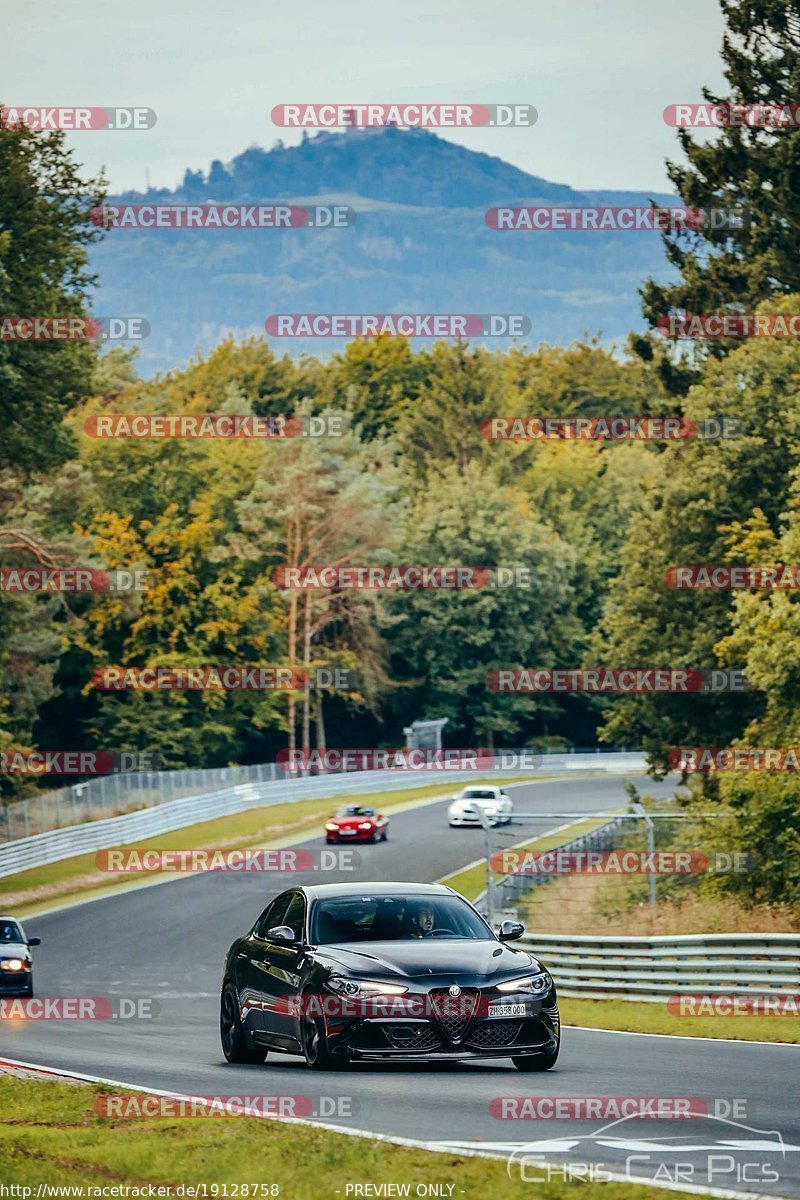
[355, 810]
[394, 918]
[478, 794]
[10, 932]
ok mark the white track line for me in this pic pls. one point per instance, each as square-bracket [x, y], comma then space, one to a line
[680, 1037]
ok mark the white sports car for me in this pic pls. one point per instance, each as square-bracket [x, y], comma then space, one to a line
[496, 803]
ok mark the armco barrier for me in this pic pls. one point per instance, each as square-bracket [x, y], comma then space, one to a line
[25, 853]
[49, 847]
[655, 968]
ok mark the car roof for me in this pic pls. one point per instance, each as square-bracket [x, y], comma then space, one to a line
[322, 890]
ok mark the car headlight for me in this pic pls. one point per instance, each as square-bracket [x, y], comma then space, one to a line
[331, 827]
[13, 964]
[538, 984]
[365, 825]
[363, 987]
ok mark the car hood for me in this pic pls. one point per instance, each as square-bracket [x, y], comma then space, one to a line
[426, 957]
[462, 803]
[350, 822]
[14, 950]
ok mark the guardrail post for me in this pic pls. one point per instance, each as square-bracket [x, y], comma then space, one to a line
[651, 845]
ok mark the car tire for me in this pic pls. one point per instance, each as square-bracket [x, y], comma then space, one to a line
[536, 1062]
[385, 837]
[315, 1046]
[330, 841]
[237, 1044]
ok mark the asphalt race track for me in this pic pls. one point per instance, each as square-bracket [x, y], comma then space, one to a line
[167, 942]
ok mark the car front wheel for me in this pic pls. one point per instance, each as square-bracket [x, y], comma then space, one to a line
[237, 1044]
[315, 1044]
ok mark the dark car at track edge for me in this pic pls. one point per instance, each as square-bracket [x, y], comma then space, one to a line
[16, 965]
[342, 973]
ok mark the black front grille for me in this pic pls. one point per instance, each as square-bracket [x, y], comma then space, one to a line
[494, 1033]
[412, 1037]
[454, 1014]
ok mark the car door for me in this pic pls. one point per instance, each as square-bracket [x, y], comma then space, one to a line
[282, 975]
[252, 965]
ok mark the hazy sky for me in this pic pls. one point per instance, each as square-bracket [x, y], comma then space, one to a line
[600, 73]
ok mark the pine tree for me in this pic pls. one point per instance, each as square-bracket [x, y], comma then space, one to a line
[753, 169]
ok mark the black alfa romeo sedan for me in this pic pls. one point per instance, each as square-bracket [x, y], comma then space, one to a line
[381, 971]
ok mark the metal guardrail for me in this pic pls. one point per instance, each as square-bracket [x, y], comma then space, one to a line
[655, 968]
[42, 848]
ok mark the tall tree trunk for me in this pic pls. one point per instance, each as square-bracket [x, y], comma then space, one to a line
[321, 743]
[291, 555]
[306, 734]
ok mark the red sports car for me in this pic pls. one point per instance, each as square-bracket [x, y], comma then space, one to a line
[354, 823]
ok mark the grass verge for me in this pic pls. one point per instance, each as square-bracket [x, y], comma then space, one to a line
[636, 1016]
[27, 892]
[52, 1136]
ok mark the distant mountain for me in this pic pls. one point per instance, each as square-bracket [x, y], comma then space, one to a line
[419, 244]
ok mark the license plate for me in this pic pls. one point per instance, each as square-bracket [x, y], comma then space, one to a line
[507, 1010]
[347, 832]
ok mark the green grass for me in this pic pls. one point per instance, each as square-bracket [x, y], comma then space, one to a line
[51, 1135]
[471, 881]
[636, 1016]
[27, 892]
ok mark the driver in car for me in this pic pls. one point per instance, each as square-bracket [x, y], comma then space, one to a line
[422, 921]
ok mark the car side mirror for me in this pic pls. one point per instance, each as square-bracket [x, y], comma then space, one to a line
[284, 935]
[510, 931]
[34, 941]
